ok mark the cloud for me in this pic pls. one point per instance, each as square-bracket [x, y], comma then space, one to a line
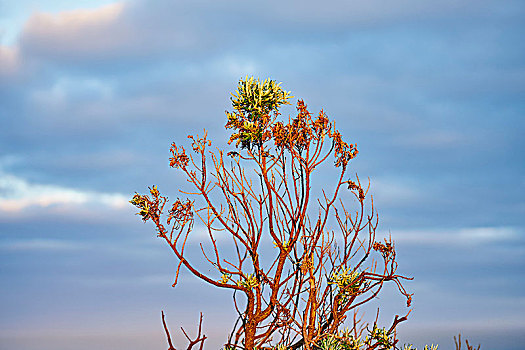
[42, 244]
[394, 191]
[460, 236]
[336, 12]
[137, 281]
[77, 33]
[93, 98]
[120, 33]
[432, 139]
[163, 30]
[17, 195]
[9, 61]
[65, 92]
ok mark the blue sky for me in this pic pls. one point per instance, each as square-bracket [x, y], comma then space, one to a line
[92, 94]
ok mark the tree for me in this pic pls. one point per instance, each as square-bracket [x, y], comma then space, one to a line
[327, 260]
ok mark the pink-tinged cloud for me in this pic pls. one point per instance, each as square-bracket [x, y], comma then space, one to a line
[9, 61]
[119, 31]
[75, 33]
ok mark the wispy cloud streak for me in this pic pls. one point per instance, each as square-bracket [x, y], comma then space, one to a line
[17, 194]
[460, 236]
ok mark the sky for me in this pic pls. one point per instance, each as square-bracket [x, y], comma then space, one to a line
[92, 94]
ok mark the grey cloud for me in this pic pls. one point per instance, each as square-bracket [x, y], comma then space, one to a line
[78, 34]
[145, 30]
[431, 92]
[109, 34]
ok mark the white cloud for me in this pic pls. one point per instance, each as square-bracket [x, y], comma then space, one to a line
[234, 66]
[42, 245]
[17, 194]
[391, 191]
[461, 236]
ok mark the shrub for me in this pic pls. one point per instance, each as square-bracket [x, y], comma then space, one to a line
[326, 261]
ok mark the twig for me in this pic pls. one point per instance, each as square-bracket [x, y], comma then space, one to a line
[167, 332]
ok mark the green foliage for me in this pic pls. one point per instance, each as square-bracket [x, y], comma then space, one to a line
[377, 338]
[347, 281]
[409, 347]
[249, 282]
[253, 103]
[279, 347]
[255, 98]
[148, 209]
[331, 343]
[140, 202]
[351, 343]
[380, 336]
